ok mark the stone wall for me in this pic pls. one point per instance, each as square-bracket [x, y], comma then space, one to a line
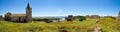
[1, 18]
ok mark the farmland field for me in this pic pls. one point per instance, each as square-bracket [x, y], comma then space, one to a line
[107, 25]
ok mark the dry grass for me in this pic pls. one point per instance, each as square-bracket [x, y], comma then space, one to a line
[75, 26]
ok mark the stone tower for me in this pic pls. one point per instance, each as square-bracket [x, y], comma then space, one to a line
[28, 13]
[7, 16]
[118, 16]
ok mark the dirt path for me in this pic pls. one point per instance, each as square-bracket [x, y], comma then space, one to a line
[97, 28]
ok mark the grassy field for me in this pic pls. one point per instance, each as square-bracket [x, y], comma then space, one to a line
[108, 25]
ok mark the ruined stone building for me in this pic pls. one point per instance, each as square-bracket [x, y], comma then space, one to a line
[118, 16]
[92, 16]
[70, 18]
[1, 18]
[20, 17]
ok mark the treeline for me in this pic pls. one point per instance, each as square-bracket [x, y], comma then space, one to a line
[47, 20]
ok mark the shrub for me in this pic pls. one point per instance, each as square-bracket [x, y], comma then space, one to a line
[82, 18]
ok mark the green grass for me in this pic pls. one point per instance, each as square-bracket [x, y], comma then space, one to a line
[75, 26]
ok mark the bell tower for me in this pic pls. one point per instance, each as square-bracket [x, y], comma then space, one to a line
[28, 13]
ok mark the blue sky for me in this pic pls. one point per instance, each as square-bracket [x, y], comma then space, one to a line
[62, 7]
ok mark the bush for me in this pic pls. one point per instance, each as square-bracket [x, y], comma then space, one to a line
[82, 18]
